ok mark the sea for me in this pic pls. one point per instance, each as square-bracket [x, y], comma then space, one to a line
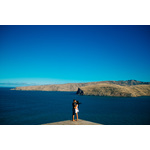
[41, 107]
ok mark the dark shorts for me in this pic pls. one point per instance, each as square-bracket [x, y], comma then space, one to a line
[73, 112]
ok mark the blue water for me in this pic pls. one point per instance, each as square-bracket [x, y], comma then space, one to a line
[40, 107]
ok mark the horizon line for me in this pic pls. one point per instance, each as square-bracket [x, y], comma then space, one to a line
[17, 84]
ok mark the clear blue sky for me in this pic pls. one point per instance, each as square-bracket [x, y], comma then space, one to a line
[62, 54]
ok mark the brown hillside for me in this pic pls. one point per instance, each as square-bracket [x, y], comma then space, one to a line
[75, 86]
[115, 90]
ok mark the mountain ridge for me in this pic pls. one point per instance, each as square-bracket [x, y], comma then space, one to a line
[75, 86]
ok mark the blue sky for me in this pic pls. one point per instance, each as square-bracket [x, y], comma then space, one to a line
[62, 54]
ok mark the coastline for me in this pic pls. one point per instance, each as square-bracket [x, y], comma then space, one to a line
[128, 88]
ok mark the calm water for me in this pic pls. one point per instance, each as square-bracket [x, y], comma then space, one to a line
[39, 107]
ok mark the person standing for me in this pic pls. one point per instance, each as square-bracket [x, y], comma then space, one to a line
[76, 111]
[73, 109]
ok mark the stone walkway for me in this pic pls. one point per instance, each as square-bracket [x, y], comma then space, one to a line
[70, 122]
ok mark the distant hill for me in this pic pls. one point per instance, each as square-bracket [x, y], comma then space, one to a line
[75, 86]
[107, 89]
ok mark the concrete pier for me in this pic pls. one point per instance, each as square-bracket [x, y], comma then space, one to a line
[70, 122]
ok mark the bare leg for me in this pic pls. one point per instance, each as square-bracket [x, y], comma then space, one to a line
[77, 116]
[73, 118]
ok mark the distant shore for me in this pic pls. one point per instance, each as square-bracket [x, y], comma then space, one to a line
[128, 88]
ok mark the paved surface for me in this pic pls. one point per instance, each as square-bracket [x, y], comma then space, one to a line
[70, 122]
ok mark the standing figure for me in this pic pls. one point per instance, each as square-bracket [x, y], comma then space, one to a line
[73, 109]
